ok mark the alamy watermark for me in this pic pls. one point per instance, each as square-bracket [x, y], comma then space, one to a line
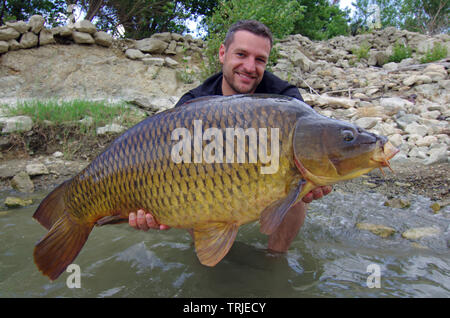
[74, 279]
[220, 148]
[374, 279]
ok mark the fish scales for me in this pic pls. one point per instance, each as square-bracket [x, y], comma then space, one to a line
[212, 198]
[125, 170]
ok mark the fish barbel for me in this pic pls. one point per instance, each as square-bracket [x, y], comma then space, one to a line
[179, 165]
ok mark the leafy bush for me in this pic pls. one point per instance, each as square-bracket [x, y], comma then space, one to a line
[438, 52]
[400, 53]
[278, 15]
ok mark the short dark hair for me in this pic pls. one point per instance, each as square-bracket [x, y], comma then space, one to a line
[252, 26]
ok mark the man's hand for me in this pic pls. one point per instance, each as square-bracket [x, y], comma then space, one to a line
[316, 194]
[143, 220]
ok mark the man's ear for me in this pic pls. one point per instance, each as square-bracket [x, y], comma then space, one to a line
[222, 50]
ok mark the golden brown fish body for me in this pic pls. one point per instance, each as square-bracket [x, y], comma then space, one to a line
[210, 190]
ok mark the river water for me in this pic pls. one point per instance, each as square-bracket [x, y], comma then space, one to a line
[329, 258]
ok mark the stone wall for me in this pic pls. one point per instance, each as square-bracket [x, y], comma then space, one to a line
[406, 101]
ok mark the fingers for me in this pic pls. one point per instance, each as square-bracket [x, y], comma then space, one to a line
[317, 193]
[142, 220]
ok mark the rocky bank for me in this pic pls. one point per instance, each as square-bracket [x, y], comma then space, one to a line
[406, 101]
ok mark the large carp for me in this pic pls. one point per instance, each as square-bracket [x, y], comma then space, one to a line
[177, 165]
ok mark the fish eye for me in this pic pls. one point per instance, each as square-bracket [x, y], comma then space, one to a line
[348, 135]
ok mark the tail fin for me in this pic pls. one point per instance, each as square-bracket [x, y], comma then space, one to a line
[55, 251]
[52, 207]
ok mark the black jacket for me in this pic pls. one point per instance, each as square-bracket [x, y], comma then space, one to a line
[270, 84]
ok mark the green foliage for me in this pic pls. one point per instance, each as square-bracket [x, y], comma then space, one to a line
[52, 11]
[363, 51]
[400, 53]
[142, 18]
[425, 16]
[279, 15]
[321, 20]
[438, 52]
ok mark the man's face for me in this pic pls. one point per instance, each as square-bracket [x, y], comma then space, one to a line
[244, 62]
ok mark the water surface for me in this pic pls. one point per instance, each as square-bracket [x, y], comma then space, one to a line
[329, 257]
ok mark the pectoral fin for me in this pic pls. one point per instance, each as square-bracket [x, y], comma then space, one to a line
[213, 241]
[273, 215]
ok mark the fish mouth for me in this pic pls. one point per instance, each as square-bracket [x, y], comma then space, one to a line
[384, 153]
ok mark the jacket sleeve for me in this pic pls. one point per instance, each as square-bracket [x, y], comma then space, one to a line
[292, 91]
[186, 97]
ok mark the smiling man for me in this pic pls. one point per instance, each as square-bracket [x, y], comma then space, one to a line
[244, 56]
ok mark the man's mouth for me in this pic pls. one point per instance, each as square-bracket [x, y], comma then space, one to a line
[246, 77]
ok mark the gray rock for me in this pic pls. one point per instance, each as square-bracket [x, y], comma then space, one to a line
[22, 182]
[426, 141]
[367, 122]
[19, 26]
[151, 45]
[14, 202]
[102, 38]
[134, 54]
[377, 229]
[36, 23]
[46, 37]
[177, 37]
[406, 119]
[300, 60]
[392, 66]
[437, 155]
[420, 232]
[396, 140]
[7, 33]
[82, 38]
[113, 128]
[85, 26]
[417, 80]
[343, 102]
[13, 45]
[4, 46]
[64, 31]
[17, 124]
[35, 169]
[171, 62]
[397, 203]
[155, 61]
[416, 129]
[165, 36]
[29, 40]
[394, 104]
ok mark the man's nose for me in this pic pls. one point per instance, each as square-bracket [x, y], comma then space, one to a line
[250, 65]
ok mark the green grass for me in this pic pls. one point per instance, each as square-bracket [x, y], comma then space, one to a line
[400, 53]
[438, 52]
[71, 112]
[363, 51]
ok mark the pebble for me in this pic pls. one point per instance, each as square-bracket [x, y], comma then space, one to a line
[398, 203]
[35, 169]
[377, 229]
[22, 182]
[420, 232]
[14, 202]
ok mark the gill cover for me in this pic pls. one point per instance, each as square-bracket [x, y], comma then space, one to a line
[329, 150]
